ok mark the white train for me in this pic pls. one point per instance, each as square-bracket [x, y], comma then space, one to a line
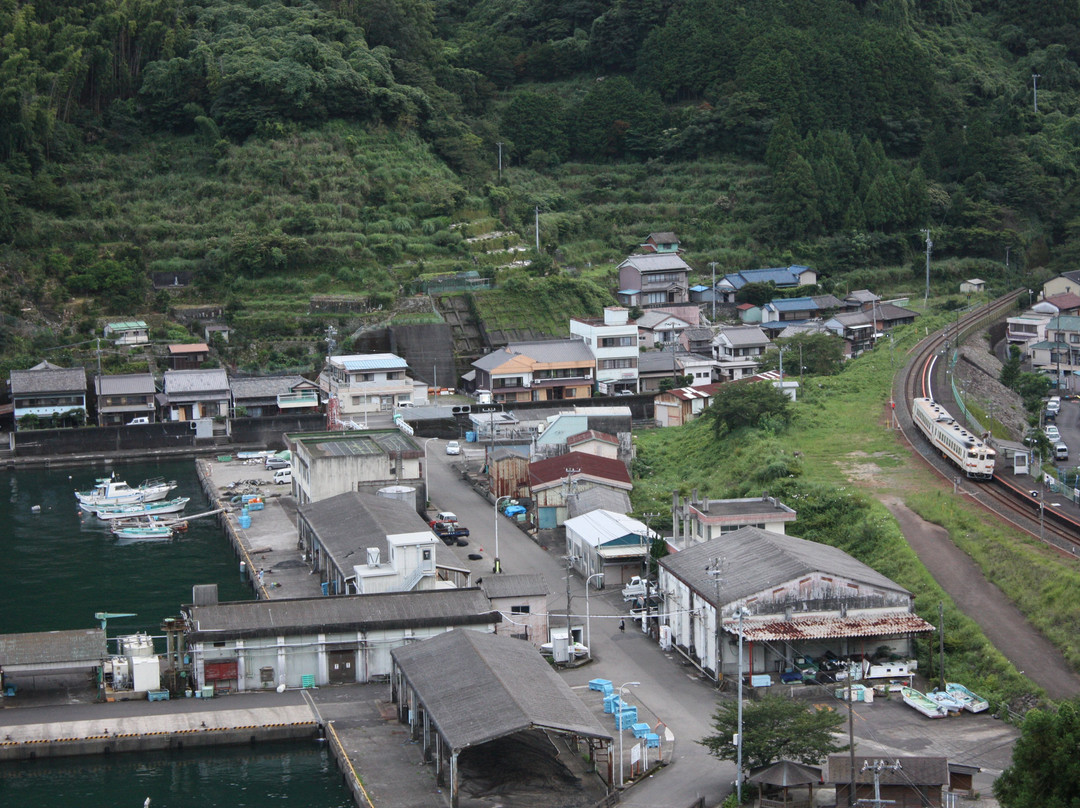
[966, 450]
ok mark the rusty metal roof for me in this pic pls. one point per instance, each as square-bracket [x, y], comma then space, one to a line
[820, 628]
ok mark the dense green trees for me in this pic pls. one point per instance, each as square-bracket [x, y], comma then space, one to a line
[1044, 769]
[756, 404]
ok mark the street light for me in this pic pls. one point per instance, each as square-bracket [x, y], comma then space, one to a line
[588, 624]
[620, 691]
[497, 568]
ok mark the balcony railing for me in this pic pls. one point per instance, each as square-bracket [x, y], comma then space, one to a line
[304, 398]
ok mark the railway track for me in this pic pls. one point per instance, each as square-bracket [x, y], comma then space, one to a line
[923, 376]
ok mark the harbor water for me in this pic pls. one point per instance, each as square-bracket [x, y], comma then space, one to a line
[60, 566]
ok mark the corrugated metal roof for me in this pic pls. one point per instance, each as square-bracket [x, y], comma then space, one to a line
[792, 304]
[513, 586]
[554, 350]
[652, 318]
[189, 348]
[381, 361]
[478, 687]
[125, 384]
[742, 336]
[591, 434]
[757, 560]
[273, 618]
[52, 647]
[600, 527]
[823, 628]
[591, 499]
[127, 325]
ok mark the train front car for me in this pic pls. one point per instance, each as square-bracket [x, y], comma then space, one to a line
[967, 451]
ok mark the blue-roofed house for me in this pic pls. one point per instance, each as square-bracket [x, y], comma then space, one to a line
[367, 383]
[795, 309]
[790, 277]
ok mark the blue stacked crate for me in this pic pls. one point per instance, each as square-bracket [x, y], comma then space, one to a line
[652, 741]
[602, 685]
[626, 717]
[641, 729]
[613, 703]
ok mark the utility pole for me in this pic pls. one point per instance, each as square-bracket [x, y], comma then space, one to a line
[98, 356]
[851, 730]
[537, 217]
[877, 767]
[929, 247]
[941, 644]
[716, 570]
[1035, 90]
[712, 265]
[499, 144]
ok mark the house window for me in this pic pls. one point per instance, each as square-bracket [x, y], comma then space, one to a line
[357, 400]
[427, 555]
[571, 392]
[523, 609]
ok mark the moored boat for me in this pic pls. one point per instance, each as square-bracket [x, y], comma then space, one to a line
[110, 491]
[137, 509]
[143, 532]
[972, 702]
[918, 701]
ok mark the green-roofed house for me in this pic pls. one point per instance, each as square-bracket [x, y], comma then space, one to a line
[128, 332]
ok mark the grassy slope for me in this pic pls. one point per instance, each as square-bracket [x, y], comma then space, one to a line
[848, 457]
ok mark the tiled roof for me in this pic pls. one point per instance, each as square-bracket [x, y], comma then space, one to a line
[48, 378]
[792, 304]
[652, 318]
[263, 387]
[554, 468]
[656, 262]
[554, 350]
[914, 771]
[744, 335]
[181, 382]
[1066, 301]
[477, 687]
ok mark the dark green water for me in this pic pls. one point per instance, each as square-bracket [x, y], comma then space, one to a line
[59, 567]
[277, 776]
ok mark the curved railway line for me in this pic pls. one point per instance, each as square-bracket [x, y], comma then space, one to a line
[923, 376]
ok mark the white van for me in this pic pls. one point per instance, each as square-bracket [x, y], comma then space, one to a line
[1061, 451]
[283, 476]
[446, 516]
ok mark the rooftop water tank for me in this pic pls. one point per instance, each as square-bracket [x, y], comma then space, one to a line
[404, 493]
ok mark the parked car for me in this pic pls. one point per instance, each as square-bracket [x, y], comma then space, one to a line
[1061, 451]
[453, 447]
[275, 463]
[639, 588]
[513, 510]
[1052, 433]
[143, 419]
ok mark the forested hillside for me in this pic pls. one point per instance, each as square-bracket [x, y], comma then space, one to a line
[352, 146]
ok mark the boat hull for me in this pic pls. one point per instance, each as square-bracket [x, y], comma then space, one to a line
[136, 510]
[972, 702]
[918, 701]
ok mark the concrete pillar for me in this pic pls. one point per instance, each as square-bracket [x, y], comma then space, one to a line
[241, 667]
[282, 670]
[453, 780]
[438, 759]
[322, 662]
[427, 737]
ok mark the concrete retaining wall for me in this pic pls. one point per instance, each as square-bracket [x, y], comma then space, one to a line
[270, 431]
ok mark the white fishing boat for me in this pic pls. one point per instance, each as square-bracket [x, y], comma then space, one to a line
[144, 532]
[918, 701]
[946, 700]
[972, 702]
[110, 491]
[137, 509]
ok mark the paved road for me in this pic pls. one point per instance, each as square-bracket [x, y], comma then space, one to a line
[673, 689]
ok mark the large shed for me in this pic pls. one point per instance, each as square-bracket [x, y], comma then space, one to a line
[45, 659]
[461, 690]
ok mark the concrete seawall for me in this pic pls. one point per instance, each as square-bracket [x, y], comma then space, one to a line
[144, 733]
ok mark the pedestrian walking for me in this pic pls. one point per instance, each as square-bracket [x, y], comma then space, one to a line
[622, 624]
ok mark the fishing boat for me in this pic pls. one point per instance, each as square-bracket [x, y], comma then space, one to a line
[946, 700]
[137, 509]
[918, 701]
[972, 702]
[110, 491]
[143, 532]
